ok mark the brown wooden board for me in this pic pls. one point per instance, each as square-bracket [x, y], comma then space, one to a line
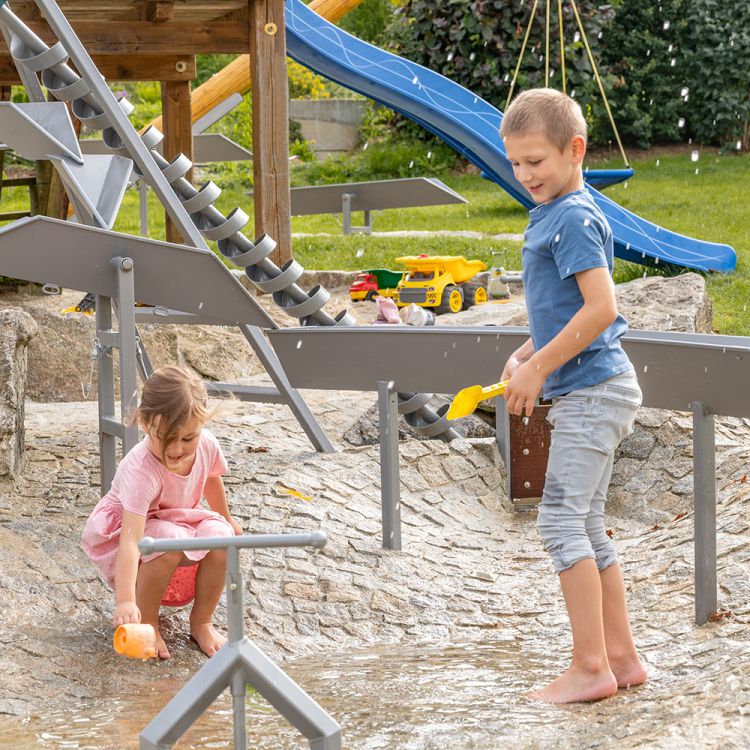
[529, 451]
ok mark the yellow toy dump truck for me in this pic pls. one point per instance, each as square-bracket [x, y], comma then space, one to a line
[445, 283]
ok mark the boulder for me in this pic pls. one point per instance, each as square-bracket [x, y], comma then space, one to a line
[17, 328]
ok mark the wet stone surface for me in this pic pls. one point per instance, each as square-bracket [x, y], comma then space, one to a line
[471, 572]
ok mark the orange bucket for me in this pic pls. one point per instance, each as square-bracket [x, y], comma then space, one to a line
[135, 641]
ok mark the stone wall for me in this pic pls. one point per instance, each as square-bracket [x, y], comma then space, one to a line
[17, 328]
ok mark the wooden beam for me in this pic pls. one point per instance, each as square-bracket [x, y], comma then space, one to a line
[125, 68]
[155, 38]
[178, 133]
[160, 10]
[270, 92]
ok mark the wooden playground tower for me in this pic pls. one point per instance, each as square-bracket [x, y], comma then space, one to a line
[157, 40]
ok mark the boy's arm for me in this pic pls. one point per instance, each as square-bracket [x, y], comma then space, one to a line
[599, 311]
[519, 356]
[216, 497]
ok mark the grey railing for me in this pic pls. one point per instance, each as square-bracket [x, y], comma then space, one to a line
[701, 373]
[239, 662]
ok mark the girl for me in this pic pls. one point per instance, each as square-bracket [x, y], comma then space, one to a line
[156, 492]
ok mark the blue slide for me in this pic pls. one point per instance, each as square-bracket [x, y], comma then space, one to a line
[471, 126]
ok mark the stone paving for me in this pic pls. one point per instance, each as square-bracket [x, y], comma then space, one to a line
[471, 570]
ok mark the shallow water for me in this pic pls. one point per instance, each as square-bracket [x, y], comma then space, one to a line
[468, 696]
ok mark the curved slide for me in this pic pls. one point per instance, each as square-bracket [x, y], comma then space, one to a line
[471, 126]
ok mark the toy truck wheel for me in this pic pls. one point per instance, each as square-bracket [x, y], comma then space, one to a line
[370, 296]
[474, 294]
[452, 300]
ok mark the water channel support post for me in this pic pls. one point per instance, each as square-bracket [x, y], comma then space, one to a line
[390, 495]
[704, 500]
[239, 662]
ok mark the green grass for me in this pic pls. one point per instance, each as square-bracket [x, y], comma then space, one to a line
[711, 205]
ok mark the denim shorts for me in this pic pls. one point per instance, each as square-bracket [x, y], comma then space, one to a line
[587, 426]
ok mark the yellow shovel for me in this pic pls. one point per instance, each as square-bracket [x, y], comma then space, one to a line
[466, 400]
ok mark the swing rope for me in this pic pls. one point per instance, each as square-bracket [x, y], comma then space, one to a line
[520, 57]
[599, 82]
[562, 61]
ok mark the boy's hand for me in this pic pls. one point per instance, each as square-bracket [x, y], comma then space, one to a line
[511, 366]
[523, 389]
[126, 612]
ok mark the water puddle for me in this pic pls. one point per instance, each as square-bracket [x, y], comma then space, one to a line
[411, 698]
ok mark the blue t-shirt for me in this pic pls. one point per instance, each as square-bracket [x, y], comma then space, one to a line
[564, 237]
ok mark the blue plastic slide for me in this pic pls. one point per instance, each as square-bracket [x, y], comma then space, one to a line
[471, 126]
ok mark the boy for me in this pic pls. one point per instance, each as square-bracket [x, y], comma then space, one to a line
[574, 353]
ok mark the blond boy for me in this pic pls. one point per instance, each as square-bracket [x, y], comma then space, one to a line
[574, 356]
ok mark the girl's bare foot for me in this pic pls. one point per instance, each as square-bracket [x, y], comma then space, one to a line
[207, 637]
[162, 651]
[628, 673]
[577, 684]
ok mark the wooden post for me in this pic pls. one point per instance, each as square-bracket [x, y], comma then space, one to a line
[270, 124]
[178, 135]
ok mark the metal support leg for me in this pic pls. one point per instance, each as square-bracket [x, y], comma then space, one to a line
[143, 206]
[390, 496]
[346, 210]
[367, 228]
[704, 493]
[106, 396]
[291, 396]
[128, 350]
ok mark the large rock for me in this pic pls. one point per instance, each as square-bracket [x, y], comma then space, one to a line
[17, 328]
[659, 303]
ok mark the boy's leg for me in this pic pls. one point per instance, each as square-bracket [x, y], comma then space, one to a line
[150, 586]
[621, 651]
[574, 472]
[589, 676]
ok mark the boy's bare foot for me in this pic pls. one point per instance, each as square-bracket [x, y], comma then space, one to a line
[628, 673]
[207, 637]
[577, 684]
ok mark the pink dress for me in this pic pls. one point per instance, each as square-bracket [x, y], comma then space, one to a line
[169, 502]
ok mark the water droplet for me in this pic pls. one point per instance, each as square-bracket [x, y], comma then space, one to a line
[645, 368]
[625, 185]
[411, 164]
[573, 94]
[670, 48]
[586, 222]
[578, 334]
[429, 154]
[739, 145]
[665, 25]
[627, 246]
[557, 237]
[472, 56]
[200, 306]
[366, 146]
[681, 122]
[360, 252]
[697, 170]
[672, 62]
[658, 161]
[695, 156]
[648, 53]
[600, 35]
[506, 78]
[299, 344]
[415, 80]
[579, 361]
[450, 56]
[577, 36]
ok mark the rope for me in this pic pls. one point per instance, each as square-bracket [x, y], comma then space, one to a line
[562, 46]
[546, 46]
[520, 57]
[599, 82]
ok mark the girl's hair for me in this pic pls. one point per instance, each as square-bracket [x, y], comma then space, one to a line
[545, 111]
[174, 395]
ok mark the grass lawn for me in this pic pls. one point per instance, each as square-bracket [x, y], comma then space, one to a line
[710, 204]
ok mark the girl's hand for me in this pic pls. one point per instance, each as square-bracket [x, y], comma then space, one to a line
[126, 612]
[523, 389]
[238, 530]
